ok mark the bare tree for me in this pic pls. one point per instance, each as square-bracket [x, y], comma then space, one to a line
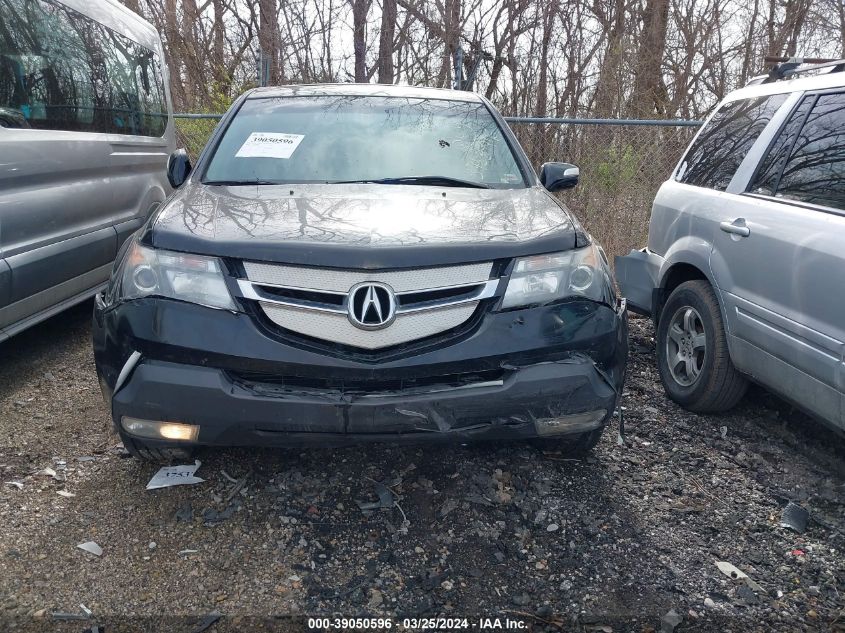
[386, 42]
[268, 37]
[360, 9]
[601, 58]
[649, 95]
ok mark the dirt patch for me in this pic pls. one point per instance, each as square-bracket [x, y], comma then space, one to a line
[615, 540]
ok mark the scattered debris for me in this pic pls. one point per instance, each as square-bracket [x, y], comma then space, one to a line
[185, 513]
[175, 476]
[521, 600]
[207, 622]
[746, 595]
[737, 574]
[65, 493]
[230, 505]
[16, 484]
[552, 527]
[86, 614]
[91, 547]
[669, 621]
[620, 434]
[212, 515]
[643, 515]
[49, 472]
[730, 570]
[447, 507]
[63, 615]
[239, 484]
[385, 499]
[794, 517]
[376, 599]
[723, 431]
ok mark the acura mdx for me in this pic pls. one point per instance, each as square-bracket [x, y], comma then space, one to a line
[360, 263]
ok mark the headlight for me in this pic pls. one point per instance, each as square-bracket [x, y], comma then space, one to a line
[194, 278]
[545, 278]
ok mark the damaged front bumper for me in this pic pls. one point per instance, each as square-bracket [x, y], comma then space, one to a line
[545, 371]
[638, 275]
[555, 398]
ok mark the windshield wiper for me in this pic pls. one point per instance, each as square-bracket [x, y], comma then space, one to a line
[241, 182]
[444, 181]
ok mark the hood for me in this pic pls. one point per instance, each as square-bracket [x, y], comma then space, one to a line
[361, 225]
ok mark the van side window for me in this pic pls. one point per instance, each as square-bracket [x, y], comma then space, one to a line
[60, 70]
[721, 146]
[768, 174]
[815, 171]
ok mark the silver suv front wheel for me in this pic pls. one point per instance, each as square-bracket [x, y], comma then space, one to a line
[692, 351]
[686, 346]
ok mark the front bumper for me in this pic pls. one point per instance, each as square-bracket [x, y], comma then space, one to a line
[531, 372]
[638, 276]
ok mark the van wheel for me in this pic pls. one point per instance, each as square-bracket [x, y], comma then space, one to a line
[139, 450]
[692, 351]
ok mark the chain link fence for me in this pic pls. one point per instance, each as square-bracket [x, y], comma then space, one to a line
[622, 163]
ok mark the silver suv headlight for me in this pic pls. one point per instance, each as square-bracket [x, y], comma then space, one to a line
[194, 278]
[545, 278]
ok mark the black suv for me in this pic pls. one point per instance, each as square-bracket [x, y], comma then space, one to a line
[354, 263]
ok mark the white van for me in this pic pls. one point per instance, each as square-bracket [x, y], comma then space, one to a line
[86, 128]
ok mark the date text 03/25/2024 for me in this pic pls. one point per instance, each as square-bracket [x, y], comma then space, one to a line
[419, 624]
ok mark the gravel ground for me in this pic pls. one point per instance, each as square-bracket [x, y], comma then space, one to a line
[609, 543]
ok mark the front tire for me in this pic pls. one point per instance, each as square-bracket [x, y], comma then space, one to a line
[692, 351]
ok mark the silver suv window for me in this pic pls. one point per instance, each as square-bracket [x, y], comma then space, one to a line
[815, 171]
[717, 152]
[768, 174]
[344, 138]
[60, 70]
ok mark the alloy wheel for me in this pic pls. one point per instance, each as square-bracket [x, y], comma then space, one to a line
[686, 344]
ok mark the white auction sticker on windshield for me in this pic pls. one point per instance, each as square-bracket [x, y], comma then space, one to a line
[269, 145]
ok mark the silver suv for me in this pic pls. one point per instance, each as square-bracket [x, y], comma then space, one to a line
[743, 272]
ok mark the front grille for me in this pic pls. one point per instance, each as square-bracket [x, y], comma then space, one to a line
[314, 302]
[271, 384]
[340, 281]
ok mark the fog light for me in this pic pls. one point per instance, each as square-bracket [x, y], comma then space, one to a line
[161, 430]
[575, 423]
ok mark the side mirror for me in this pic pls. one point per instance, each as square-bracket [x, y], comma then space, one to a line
[178, 168]
[557, 176]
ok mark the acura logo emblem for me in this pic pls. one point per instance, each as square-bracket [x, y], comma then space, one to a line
[371, 305]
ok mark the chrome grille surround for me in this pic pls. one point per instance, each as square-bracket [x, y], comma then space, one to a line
[313, 301]
[339, 281]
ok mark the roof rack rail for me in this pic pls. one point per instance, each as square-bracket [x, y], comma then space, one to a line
[787, 67]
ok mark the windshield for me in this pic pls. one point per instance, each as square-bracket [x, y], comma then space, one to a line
[354, 139]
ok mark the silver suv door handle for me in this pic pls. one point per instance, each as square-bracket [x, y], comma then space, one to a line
[737, 227]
